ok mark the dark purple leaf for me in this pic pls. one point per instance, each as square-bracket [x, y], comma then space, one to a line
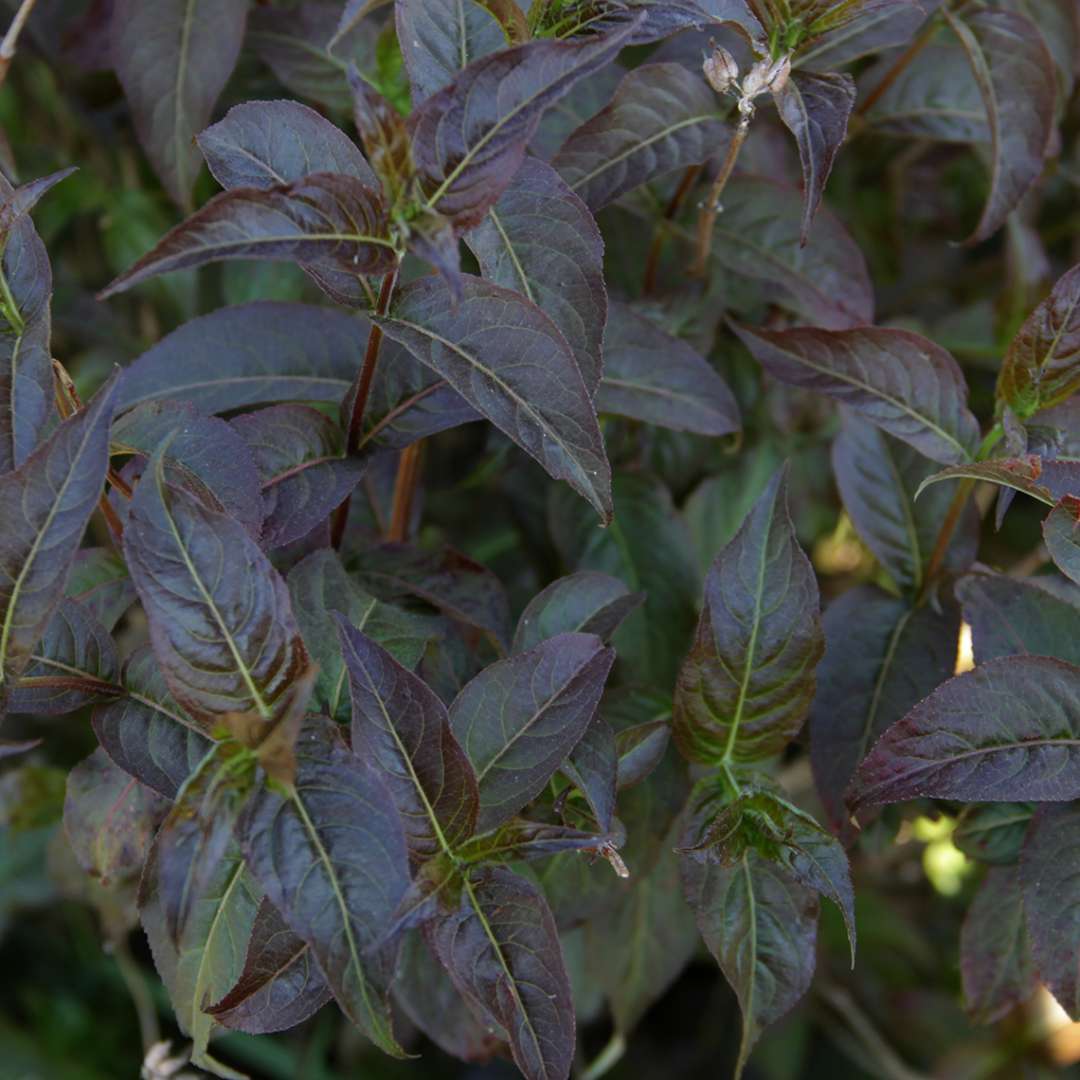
[469, 139]
[502, 951]
[173, 58]
[995, 954]
[1048, 880]
[878, 476]
[760, 924]
[1046, 479]
[277, 352]
[309, 49]
[521, 839]
[319, 587]
[586, 602]
[26, 380]
[299, 453]
[401, 725]
[45, 505]
[882, 656]
[541, 241]
[1042, 366]
[662, 118]
[145, 732]
[993, 832]
[683, 393]
[1010, 617]
[441, 37]
[331, 856]
[265, 144]
[1015, 73]
[408, 402]
[281, 984]
[1006, 731]
[1061, 532]
[520, 717]
[815, 109]
[897, 380]
[881, 27]
[758, 236]
[75, 663]
[935, 97]
[202, 453]
[100, 583]
[593, 768]
[582, 103]
[220, 619]
[425, 992]
[510, 362]
[748, 681]
[450, 582]
[328, 222]
[110, 819]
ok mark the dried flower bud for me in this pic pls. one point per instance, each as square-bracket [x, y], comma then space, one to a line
[766, 75]
[721, 70]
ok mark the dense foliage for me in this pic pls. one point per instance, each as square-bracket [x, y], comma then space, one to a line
[598, 477]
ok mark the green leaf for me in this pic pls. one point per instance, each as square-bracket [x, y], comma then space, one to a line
[993, 832]
[45, 505]
[320, 586]
[209, 957]
[345, 871]
[520, 717]
[747, 684]
[502, 952]
[641, 948]
[647, 548]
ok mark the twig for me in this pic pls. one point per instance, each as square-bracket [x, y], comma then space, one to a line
[707, 218]
[11, 38]
[404, 489]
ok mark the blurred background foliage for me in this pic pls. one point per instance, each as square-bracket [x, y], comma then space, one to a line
[73, 1008]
